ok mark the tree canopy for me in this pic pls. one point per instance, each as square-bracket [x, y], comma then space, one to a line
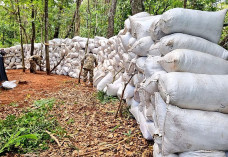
[62, 17]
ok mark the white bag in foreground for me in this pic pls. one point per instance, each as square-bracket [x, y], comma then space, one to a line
[185, 41]
[190, 130]
[195, 91]
[207, 25]
[184, 60]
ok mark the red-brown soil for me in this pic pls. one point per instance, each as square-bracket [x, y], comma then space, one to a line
[38, 85]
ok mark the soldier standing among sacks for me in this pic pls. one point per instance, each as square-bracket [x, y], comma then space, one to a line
[88, 65]
[35, 59]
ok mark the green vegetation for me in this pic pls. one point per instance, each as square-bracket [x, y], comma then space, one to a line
[104, 99]
[27, 133]
[61, 14]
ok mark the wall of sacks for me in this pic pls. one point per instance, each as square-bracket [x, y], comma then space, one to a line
[177, 76]
[73, 49]
[177, 92]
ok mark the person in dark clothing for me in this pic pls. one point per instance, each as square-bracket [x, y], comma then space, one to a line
[3, 76]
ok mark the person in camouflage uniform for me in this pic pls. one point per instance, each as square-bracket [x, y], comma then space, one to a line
[88, 65]
[35, 60]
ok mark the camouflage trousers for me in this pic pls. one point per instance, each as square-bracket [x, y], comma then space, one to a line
[33, 67]
[85, 75]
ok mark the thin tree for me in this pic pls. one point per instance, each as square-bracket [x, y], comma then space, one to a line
[57, 28]
[136, 6]
[46, 37]
[33, 29]
[111, 16]
[77, 18]
[185, 3]
[21, 35]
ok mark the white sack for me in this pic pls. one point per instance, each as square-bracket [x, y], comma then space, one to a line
[9, 84]
[195, 91]
[112, 89]
[125, 40]
[184, 41]
[106, 80]
[190, 130]
[155, 29]
[141, 46]
[151, 66]
[184, 60]
[154, 50]
[160, 112]
[140, 62]
[127, 24]
[203, 153]
[140, 26]
[129, 91]
[207, 25]
[134, 110]
[143, 126]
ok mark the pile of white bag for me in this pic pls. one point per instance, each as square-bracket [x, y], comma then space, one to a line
[190, 107]
[71, 50]
[177, 76]
[184, 113]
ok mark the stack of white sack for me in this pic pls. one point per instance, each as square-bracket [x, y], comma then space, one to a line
[191, 95]
[191, 113]
[68, 51]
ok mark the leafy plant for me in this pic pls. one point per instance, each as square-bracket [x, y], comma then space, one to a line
[103, 98]
[128, 133]
[27, 133]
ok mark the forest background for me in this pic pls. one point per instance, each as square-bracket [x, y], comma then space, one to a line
[85, 18]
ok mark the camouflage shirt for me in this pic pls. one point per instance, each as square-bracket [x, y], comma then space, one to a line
[88, 61]
[35, 58]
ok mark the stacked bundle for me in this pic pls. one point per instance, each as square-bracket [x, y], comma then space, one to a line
[194, 49]
[71, 50]
[192, 119]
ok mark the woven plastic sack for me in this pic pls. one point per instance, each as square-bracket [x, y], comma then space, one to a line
[185, 41]
[191, 130]
[155, 29]
[207, 25]
[141, 46]
[140, 26]
[183, 60]
[106, 80]
[203, 153]
[195, 91]
[151, 65]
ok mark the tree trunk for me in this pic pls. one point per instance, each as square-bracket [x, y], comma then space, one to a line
[71, 26]
[77, 18]
[111, 16]
[33, 29]
[185, 3]
[46, 37]
[57, 28]
[136, 6]
[22, 50]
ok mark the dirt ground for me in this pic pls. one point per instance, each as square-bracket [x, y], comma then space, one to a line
[38, 85]
[91, 129]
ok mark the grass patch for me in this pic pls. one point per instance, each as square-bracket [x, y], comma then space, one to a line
[27, 133]
[104, 99]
